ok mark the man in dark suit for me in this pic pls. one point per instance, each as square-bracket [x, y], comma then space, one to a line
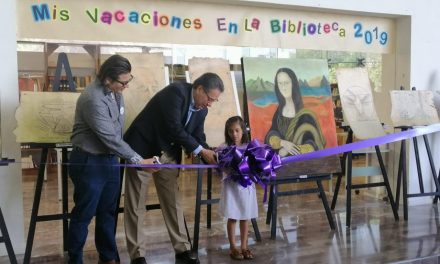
[173, 119]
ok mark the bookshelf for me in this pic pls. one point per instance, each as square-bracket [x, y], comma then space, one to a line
[339, 118]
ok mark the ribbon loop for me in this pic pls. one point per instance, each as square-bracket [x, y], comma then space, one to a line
[254, 163]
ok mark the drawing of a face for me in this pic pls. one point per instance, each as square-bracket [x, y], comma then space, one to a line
[284, 84]
[409, 107]
[358, 104]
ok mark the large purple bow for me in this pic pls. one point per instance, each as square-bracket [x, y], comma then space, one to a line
[253, 163]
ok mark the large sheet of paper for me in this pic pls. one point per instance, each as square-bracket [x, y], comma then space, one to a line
[413, 108]
[290, 105]
[227, 104]
[149, 78]
[45, 117]
[357, 103]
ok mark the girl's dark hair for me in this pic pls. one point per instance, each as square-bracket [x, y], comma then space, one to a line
[113, 67]
[296, 94]
[229, 123]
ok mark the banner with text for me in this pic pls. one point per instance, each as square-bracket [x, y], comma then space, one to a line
[179, 22]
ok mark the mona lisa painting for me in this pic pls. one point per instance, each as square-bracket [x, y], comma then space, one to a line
[290, 108]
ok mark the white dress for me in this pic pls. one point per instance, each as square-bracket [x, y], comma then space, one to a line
[238, 202]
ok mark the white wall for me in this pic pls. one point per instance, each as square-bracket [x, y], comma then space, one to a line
[425, 70]
[11, 194]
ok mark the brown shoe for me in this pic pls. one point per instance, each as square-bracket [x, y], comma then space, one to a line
[247, 254]
[235, 254]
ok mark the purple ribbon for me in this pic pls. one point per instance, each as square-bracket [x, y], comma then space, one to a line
[255, 163]
[390, 138]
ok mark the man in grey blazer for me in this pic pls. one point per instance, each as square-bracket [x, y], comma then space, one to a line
[97, 144]
[173, 119]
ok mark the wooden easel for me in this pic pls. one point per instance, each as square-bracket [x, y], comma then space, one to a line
[62, 61]
[64, 216]
[347, 170]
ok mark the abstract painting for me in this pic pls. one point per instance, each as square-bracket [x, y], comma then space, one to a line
[357, 103]
[413, 108]
[290, 107]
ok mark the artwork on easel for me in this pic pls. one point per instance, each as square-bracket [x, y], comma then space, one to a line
[149, 78]
[227, 105]
[45, 117]
[238, 79]
[413, 108]
[290, 107]
[357, 103]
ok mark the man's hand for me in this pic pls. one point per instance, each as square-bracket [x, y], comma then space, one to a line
[208, 156]
[149, 161]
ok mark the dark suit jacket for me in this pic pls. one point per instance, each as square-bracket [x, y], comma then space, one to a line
[160, 126]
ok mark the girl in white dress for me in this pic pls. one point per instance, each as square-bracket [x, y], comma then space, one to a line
[237, 202]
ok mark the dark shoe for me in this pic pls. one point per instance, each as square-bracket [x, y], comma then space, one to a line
[140, 260]
[187, 257]
[108, 262]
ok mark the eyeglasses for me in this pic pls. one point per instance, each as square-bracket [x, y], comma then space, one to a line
[210, 99]
[126, 82]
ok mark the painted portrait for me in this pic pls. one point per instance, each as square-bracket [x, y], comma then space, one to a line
[290, 108]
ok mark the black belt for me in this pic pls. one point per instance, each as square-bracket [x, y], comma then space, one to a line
[78, 149]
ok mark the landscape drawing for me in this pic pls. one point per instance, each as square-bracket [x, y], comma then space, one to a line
[413, 108]
[45, 117]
